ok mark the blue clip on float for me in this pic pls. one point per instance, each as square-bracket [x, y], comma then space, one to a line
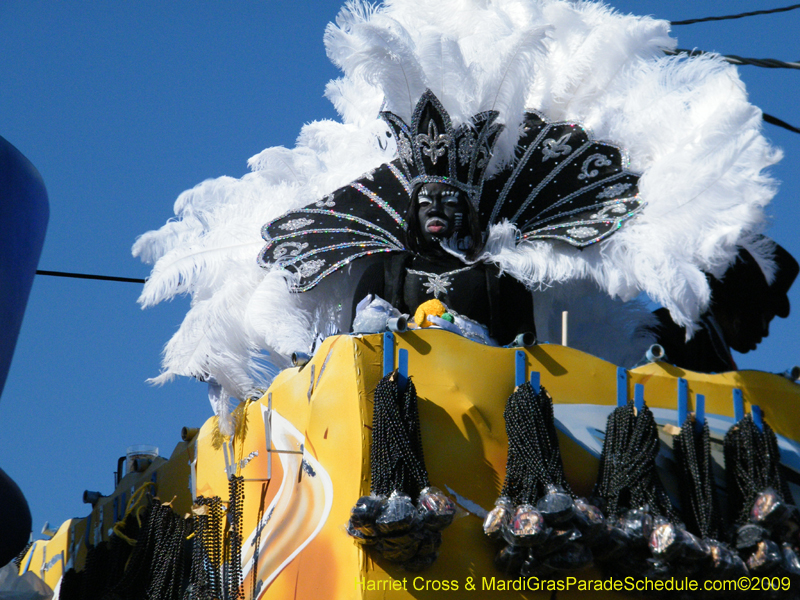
[699, 411]
[519, 367]
[536, 381]
[758, 417]
[738, 405]
[402, 368]
[388, 360]
[622, 386]
[683, 401]
[388, 353]
[638, 396]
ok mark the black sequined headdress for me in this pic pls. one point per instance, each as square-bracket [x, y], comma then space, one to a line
[563, 185]
[432, 151]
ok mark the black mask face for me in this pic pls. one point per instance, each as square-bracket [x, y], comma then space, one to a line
[744, 315]
[745, 328]
[441, 211]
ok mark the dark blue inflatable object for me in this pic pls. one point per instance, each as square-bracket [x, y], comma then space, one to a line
[24, 211]
[23, 220]
[15, 520]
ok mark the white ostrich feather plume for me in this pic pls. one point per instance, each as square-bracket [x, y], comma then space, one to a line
[685, 124]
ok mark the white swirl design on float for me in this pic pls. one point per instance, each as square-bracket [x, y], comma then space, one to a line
[296, 514]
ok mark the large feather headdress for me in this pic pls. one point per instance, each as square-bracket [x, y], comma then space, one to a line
[683, 125]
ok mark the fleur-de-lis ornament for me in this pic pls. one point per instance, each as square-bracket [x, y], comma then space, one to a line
[434, 144]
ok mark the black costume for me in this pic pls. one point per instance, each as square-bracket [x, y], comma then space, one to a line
[743, 304]
[706, 352]
[501, 303]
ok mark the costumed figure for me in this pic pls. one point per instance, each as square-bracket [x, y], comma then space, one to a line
[549, 192]
[443, 235]
[743, 303]
[587, 165]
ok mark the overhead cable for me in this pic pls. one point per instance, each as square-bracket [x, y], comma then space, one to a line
[739, 16]
[767, 63]
[87, 276]
[776, 121]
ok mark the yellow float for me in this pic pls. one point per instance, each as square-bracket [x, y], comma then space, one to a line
[303, 450]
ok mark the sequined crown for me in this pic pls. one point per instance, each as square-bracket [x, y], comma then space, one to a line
[432, 151]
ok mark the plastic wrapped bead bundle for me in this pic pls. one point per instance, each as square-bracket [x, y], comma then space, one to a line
[499, 517]
[695, 548]
[363, 515]
[673, 544]
[544, 531]
[396, 526]
[402, 531]
[760, 505]
[632, 494]
[436, 510]
[725, 563]
[752, 467]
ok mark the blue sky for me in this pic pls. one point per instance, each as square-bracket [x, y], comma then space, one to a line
[122, 106]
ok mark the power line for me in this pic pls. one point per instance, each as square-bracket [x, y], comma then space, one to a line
[87, 276]
[739, 16]
[767, 63]
[776, 121]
